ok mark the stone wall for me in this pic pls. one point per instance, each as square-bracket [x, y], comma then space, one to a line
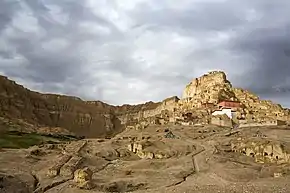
[263, 123]
[226, 111]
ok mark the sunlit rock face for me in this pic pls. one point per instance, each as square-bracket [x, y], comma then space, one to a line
[209, 88]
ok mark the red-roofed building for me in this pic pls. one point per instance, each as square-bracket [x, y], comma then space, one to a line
[229, 104]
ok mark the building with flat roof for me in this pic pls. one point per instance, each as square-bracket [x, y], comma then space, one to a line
[224, 110]
[229, 104]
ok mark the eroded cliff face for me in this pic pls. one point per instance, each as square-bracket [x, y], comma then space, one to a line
[25, 110]
[48, 110]
[130, 114]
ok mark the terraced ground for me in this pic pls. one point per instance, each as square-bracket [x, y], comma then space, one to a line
[158, 159]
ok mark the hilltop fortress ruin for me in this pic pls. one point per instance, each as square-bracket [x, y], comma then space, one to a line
[206, 99]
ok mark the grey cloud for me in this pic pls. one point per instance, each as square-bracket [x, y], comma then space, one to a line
[198, 18]
[49, 68]
[7, 10]
[76, 50]
[268, 47]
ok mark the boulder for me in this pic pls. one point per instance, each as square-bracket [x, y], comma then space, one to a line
[83, 178]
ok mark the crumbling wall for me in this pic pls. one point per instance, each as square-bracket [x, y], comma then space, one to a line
[262, 123]
[221, 120]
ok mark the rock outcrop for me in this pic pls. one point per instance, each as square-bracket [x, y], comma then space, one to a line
[209, 88]
[83, 178]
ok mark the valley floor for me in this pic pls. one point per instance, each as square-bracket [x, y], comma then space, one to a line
[157, 159]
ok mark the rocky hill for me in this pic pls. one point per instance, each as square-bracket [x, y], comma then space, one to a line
[214, 87]
[25, 110]
[209, 88]
[50, 113]
[200, 98]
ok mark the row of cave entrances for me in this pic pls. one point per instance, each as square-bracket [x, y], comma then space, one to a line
[265, 154]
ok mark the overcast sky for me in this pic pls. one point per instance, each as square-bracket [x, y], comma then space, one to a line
[132, 51]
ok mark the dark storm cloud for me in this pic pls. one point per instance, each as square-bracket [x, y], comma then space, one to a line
[7, 10]
[144, 50]
[272, 65]
[266, 45]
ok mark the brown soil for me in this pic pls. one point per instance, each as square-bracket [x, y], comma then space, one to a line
[206, 167]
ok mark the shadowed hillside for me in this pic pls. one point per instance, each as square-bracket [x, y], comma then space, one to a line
[49, 110]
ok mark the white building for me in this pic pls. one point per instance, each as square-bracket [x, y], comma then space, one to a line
[228, 111]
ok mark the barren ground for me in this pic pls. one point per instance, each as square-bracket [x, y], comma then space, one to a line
[196, 160]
